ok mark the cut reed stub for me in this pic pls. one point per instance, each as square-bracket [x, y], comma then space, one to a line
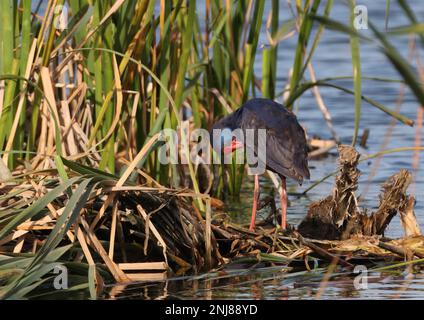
[409, 220]
[147, 271]
[338, 217]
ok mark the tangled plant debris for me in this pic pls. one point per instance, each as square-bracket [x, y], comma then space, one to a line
[121, 233]
[336, 228]
[338, 216]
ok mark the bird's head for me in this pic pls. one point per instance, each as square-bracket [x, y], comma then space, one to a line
[227, 141]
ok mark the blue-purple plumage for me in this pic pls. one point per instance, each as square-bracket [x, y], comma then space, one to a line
[286, 147]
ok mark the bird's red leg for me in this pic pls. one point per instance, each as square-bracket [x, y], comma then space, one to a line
[255, 203]
[283, 203]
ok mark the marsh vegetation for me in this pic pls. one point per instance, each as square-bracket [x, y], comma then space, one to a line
[83, 103]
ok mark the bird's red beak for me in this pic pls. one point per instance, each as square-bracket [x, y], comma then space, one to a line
[235, 144]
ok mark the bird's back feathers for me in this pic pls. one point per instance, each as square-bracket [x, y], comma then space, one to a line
[286, 147]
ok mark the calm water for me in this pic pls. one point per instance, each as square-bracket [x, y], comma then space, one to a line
[332, 58]
[273, 284]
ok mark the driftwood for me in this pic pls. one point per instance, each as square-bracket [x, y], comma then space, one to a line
[338, 216]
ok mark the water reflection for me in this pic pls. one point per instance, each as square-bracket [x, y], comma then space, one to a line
[274, 283]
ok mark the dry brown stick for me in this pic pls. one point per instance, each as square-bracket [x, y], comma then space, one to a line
[208, 234]
[16, 119]
[12, 236]
[418, 254]
[321, 151]
[89, 34]
[321, 105]
[113, 230]
[241, 229]
[399, 250]
[143, 266]
[121, 236]
[409, 220]
[84, 246]
[322, 252]
[223, 233]
[117, 273]
[154, 230]
[18, 247]
[262, 244]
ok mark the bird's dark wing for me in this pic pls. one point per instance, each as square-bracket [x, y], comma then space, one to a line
[286, 147]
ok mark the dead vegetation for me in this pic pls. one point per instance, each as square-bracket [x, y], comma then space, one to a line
[336, 228]
[339, 217]
[123, 232]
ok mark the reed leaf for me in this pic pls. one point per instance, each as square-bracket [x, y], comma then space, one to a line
[304, 34]
[356, 66]
[401, 65]
[36, 208]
